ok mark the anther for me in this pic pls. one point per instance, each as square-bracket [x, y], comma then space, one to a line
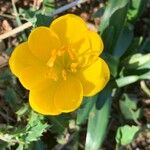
[64, 74]
[52, 59]
[52, 74]
[73, 67]
[71, 54]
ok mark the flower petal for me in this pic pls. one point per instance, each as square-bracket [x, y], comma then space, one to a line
[82, 47]
[70, 28]
[89, 47]
[96, 42]
[42, 99]
[94, 78]
[22, 58]
[42, 41]
[32, 76]
[69, 94]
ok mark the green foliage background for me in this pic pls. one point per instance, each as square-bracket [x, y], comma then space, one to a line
[128, 57]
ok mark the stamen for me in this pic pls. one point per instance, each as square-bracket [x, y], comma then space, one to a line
[73, 67]
[52, 59]
[61, 51]
[71, 54]
[64, 74]
[52, 74]
[54, 77]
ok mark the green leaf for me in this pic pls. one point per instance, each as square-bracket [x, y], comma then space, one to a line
[35, 132]
[48, 6]
[126, 134]
[43, 20]
[111, 8]
[12, 98]
[128, 107]
[137, 60]
[99, 12]
[29, 15]
[59, 123]
[145, 66]
[3, 145]
[24, 109]
[38, 145]
[7, 138]
[98, 120]
[123, 81]
[85, 109]
[34, 128]
[133, 47]
[145, 76]
[123, 41]
[145, 47]
[25, 135]
[110, 27]
[113, 63]
[5, 75]
[107, 37]
[136, 8]
[20, 147]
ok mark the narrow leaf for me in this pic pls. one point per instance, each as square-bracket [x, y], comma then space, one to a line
[123, 81]
[85, 109]
[98, 120]
[111, 8]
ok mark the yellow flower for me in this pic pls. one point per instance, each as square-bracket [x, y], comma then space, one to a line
[60, 65]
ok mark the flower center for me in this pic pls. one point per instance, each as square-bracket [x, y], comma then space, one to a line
[63, 62]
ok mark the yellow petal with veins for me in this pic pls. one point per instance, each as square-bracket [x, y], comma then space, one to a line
[42, 99]
[22, 58]
[96, 42]
[70, 28]
[42, 41]
[68, 95]
[94, 78]
[31, 77]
